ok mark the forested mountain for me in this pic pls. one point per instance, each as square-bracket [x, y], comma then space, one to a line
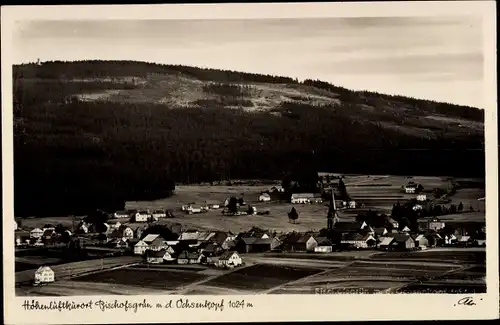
[95, 133]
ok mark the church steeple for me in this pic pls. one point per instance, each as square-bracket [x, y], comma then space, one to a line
[332, 216]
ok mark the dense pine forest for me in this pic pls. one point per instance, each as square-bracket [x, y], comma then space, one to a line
[73, 154]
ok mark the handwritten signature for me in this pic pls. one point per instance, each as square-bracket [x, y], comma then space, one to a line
[467, 301]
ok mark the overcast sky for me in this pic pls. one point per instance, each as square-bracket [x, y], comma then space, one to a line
[432, 58]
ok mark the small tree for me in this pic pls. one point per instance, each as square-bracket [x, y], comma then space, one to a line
[233, 205]
[460, 207]
[60, 228]
[293, 215]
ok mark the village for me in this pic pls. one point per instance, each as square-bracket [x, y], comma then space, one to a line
[159, 238]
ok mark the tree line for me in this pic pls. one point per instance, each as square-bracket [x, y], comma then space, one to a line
[72, 157]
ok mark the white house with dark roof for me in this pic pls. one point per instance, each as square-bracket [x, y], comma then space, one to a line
[36, 233]
[229, 259]
[44, 274]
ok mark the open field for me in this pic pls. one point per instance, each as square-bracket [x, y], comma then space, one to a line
[378, 192]
[155, 279]
[261, 277]
[449, 270]
[76, 268]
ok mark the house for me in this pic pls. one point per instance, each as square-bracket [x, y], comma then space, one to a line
[434, 239]
[142, 216]
[83, 229]
[352, 205]
[463, 240]
[402, 242]
[385, 242]
[421, 242]
[417, 207]
[302, 198]
[405, 229]
[157, 244]
[48, 233]
[159, 213]
[357, 240]
[289, 241]
[244, 244]
[21, 237]
[122, 243]
[306, 243]
[121, 214]
[394, 223]
[115, 225]
[158, 257]
[324, 245]
[122, 232]
[141, 247]
[422, 197]
[352, 227]
[435, 224]
[264, 197]
[449, 239]
[261, 245]
[229, 259]
[211, 249]
[410, 188]
[186, 257]
[275, 243]
[189, 235]
[380, 231]
[278, 189]
[36, 233]
[44, 274]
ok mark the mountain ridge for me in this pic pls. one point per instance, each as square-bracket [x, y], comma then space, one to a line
[111, 131]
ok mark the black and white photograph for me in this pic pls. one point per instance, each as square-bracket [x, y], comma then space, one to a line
[247, 156]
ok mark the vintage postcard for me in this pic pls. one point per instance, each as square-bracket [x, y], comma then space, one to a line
[250, 162]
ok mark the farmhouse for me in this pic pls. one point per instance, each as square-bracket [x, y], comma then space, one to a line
[307, 243]
[211, 249]
[158, 257]
[121, 214]
[380, 231]
[142, 216]
[324, 245]
[264, 197]
[385, 242]
[36, 233]
[158, 244]
[121, 243]
[190, 235]
[140, 247]
[188, 258]
[48, 233]
[278, 189]
[302, 198]
[463, 240]
[21, 237]
[434, 239]
[421, 242]
[435, 224]
[421, 197]
[159, 213]
[44, 274]
[405, 229]
[352, 204]
[122, 232]
[449, 239]
[358, 241]
[261, 245]
[289, 241]
[403, 242]
[228, 259]
[410, 188]
[244, 244]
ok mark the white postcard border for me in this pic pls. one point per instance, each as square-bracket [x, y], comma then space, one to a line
[265, 307]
